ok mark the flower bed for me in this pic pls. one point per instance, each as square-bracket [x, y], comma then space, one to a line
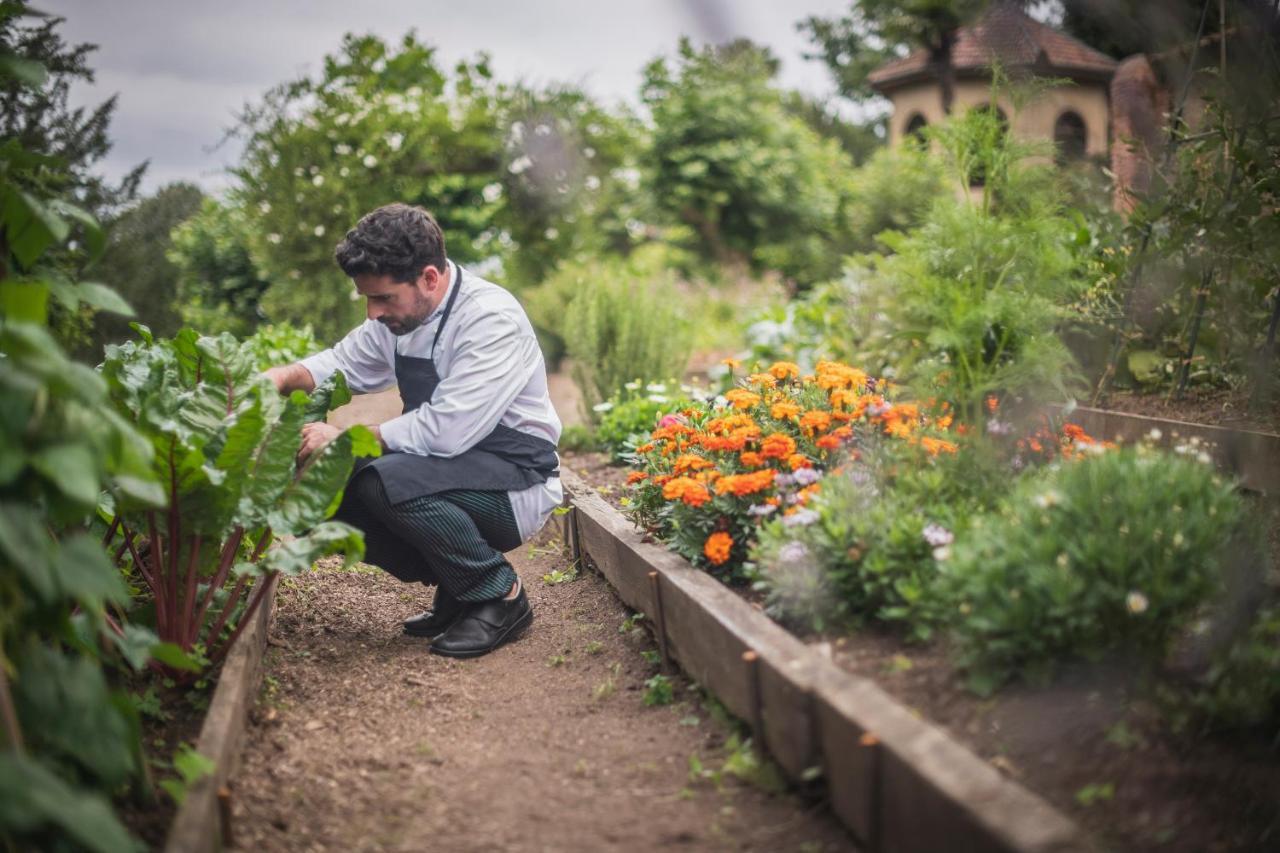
[1023, 558]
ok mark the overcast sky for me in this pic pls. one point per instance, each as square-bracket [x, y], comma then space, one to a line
[182, 69]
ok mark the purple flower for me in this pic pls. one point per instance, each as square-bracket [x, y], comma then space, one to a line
[999, 427]
[877, 409]
[784, 480]
[761, 510]
[793, 552]
[806, 476]
[800, 518]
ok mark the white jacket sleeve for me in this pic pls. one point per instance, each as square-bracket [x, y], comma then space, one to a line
[493, 363]
[366, 356]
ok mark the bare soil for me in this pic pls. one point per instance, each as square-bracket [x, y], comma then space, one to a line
[1213, 406]
[362, 740]
[1158, 783]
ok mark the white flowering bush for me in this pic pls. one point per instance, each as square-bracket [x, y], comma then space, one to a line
[1112, 552]
[635, 410]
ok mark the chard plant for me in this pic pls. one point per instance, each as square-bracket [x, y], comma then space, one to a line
[238, 509]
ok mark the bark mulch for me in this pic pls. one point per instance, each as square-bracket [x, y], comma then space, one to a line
[362, 740]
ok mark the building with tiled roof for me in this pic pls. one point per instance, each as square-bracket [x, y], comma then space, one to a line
[1075, 115]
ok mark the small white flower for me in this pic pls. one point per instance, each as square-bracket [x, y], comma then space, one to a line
[761, 510]
[342, 149]
[602, 407]
[592, 182]
[1063, 560]
[520, 164]
[264, 207]
[1204, 458]
[1136, 602]
[942, 553]
[492, 192]
[1047, 499]
[632, 386]
[273, 239]
[319, 231]
[1178, 539]
[551, 233]
[318, 180]
[656, 387]
[936, 534]
[1155, 434]
[369, 161]
[298, 172]
[394, 141]
[589, 152]
[657, 398]
[343, 172]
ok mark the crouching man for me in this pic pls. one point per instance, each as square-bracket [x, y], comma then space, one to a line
[469, 470]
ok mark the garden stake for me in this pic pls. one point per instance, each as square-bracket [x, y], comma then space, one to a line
[751, 661]
[224, 816]
[660, 620]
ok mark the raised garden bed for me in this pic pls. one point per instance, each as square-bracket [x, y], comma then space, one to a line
[896, 782]
[202, 821]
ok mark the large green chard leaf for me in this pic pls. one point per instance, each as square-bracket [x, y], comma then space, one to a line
[270, 471]
[294, 556]
[329, 395]
[317, 491]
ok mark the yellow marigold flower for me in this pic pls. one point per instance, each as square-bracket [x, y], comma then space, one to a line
[741, 398]
[686, 489]
[691, 462]
[796, 461]
[815, 421]
[718, 547]
[934, 446]
[764, 380]
[746, 484]
[783, 369]
[777, 446]
[784, 411]
[843, 398]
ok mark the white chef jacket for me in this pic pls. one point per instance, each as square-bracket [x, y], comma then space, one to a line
[491, 372]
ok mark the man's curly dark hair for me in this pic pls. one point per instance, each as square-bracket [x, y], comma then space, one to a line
[398, 240]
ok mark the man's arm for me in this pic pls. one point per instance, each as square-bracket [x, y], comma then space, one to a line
[291, 377]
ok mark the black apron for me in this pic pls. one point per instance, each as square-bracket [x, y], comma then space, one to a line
[505, 460]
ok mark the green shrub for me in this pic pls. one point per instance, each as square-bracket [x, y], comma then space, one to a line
[281, 343]
[627, 418]
[578, 438]
[1106, 553]
[1243, 686]
[894, 190]
[872, 550]
[620, 327]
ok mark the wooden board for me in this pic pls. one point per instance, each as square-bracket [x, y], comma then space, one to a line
[197, 827]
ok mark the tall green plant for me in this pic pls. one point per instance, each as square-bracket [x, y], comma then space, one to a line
[225, 446]
[623, 324]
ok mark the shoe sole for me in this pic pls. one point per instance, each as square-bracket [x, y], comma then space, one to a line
[505, 637]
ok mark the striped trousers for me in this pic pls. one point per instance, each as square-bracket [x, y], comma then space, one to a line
[455, 539]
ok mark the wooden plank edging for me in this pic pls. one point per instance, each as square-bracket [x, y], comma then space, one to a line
[1250, 455]
[197, 827]
[898, 783]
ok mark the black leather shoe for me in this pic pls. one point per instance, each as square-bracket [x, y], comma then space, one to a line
[485, 626]
[444, 611]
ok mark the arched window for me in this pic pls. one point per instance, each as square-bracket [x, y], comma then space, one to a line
[1069, 135]
[914, 131]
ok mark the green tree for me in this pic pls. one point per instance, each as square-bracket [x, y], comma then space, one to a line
[218, 282]
[136, 265]
[751, 181]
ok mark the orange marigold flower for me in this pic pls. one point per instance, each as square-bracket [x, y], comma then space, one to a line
[741, 398]
[729, 423]
[691, 462]
[751, 459]
[645, 448]
[804, 495]
[784, 411]
[783, 369]
[798, 461]
[661, 479]
[688, 490]
[815, 421]
[944, 421]
[828, 442]
[843, 397]
[992, 403]
[635, 477]
[833, 374]
[718, 547]
[1075, 432]
[843, 433]
[777, 446]
[746, 484]
[764, 380]
[934, 446]
[731, 363]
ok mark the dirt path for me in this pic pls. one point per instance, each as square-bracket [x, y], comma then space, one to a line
[362, 740]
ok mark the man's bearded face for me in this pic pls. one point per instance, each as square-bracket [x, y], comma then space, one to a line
[400, 306]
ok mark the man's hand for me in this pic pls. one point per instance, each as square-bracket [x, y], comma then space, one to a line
[291, 377]
[315, 436]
